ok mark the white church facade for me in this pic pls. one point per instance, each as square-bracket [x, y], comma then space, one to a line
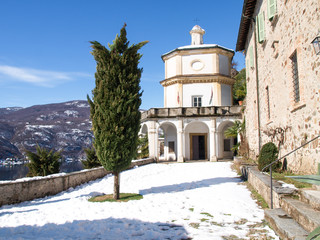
[197, 104]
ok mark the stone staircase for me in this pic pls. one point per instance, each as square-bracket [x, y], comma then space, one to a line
[298, 216]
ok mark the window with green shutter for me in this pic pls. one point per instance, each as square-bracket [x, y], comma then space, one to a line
[272, 8]
[260, 25]
[251, 56]
[247, 67]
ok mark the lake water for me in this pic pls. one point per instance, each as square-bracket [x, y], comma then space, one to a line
[19, 171]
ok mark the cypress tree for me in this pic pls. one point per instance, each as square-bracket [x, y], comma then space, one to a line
[114, 108]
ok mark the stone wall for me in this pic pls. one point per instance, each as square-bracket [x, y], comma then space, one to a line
[290, 31]
[261, 183]
[19, 191]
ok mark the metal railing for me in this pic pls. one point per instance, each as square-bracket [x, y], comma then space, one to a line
[277, 160]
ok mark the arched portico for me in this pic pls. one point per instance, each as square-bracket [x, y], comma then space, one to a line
[197, 141]
[225, 144]
[143, 129]
[167, 139]
[187, 137]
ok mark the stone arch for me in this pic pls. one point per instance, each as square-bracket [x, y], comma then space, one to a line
[167, 142]
[225, 144]
[143, 142]
[197, 141]
[143, 129]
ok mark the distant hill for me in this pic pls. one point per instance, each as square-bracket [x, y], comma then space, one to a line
[61, 126]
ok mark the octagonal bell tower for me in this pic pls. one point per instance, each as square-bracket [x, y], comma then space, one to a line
[198, 75]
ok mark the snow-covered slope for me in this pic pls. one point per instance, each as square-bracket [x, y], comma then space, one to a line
[180, 201]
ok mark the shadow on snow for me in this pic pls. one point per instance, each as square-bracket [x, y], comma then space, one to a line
[190, 185]
[110, 228]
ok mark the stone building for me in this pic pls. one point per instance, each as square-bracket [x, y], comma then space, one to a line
[197, 104]
[283, 78]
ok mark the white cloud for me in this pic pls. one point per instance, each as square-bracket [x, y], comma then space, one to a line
[38, 77]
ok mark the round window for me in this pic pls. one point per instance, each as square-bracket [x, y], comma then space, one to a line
[197, 65]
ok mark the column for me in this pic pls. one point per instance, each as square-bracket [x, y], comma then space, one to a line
[152, 139]
[180, 134]
[213, 155]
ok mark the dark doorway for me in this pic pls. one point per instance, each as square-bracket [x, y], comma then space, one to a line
[198, 147]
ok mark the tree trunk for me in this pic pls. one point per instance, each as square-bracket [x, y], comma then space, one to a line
[116, 186]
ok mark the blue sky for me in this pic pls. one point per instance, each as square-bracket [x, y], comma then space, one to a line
[45, 50]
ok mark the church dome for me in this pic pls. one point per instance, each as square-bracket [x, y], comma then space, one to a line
[198, 28]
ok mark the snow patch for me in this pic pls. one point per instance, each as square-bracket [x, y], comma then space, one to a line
[34, 127]
[74, 130]
[287, 185]
[71, 113]
[77, 104]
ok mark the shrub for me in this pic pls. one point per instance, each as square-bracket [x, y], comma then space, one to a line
[43, 163]
[268, 154]
[92, 160]
[239, 89]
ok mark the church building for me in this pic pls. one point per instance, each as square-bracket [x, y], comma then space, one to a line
[197, 104]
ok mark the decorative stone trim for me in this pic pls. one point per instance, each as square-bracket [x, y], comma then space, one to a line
[187, 112]
[203, 78]
[201, 50]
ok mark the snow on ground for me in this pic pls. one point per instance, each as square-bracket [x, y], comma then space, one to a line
[180, 201]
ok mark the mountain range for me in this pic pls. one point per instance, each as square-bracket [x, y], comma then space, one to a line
[64, 127]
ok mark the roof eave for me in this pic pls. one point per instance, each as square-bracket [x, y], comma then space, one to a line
[246, 16]
[180, 49]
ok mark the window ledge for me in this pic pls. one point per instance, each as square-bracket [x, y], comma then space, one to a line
[297, 106]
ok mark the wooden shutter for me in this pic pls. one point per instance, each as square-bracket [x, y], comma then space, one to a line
[260, 21]
[272, 8]
[251, 56]
[247, 67]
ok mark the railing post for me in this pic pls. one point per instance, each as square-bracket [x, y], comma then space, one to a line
[271, 193]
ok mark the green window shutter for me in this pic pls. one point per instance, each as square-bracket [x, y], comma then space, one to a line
[251, 56]
[272, 8]
[261, 31]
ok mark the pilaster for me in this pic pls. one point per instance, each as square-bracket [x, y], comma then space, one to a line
[152, 139]
[180, 92]
[213, 156]
[180, 132]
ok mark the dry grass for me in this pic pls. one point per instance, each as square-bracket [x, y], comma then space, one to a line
[124, 197]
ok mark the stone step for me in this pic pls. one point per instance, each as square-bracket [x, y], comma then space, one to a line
[311, 197]
[285, 227]
[316, 187]
[302, 213]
